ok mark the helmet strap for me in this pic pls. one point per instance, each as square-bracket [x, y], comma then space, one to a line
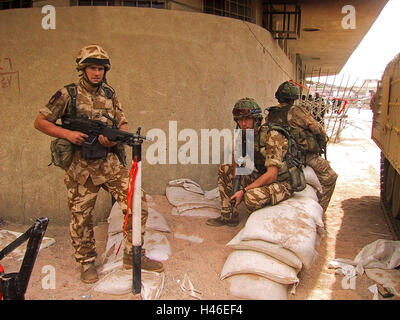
[85, 77]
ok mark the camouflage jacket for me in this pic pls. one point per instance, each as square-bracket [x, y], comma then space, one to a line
[92, 103]
[307, 131]
[270, 147]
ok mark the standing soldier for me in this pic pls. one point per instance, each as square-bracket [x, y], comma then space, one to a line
[309, 135]
[87, 172]
[270, 183]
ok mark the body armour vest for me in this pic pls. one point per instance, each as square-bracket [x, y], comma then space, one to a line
[291, 170]
[305, 139]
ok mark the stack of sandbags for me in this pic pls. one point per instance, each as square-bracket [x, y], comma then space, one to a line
[189, 199]
[115, 280]
[274, 245]
[155, 242]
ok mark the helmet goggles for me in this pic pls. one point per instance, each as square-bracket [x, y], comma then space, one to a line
[245, 112]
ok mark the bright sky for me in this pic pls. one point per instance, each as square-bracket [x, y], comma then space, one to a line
[378, 47]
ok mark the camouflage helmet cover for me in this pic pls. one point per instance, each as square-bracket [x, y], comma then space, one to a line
[287, 90]
[92, 54]
[246, 107]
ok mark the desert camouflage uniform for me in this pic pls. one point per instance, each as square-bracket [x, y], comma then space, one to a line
[299, 118]
[272, 154]
[84, 178]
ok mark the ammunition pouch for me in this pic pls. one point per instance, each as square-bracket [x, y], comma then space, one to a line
[62, 152]
[294, 175]
[93, 150]
[307, 142]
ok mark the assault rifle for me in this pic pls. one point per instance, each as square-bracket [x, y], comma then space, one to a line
[97, 127]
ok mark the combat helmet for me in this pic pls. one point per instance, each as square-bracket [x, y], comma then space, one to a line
[247, 107]
[287, 91]
[92, 54]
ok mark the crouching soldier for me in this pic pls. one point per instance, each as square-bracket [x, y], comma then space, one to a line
[270, 182]
[310, 137]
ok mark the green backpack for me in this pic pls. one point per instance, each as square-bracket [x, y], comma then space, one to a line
[61, 150]
[292, 169]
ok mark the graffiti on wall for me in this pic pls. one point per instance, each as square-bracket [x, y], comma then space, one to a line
[8, 76]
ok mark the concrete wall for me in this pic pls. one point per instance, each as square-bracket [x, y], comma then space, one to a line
[166, 66]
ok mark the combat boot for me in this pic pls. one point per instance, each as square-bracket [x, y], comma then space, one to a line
[89, 273]
[146, 263]
[220, 221]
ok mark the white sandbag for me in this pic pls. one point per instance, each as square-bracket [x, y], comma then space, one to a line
[7, 236]
[111, 266]
[187, 184]
[157, 246]
[383, 254]
[308, 206]
[272, 249]
[115, 219]
[156, 221]
[308, 193]
[289, 227]
[150, 200]
[254, 287]
[111, 253]
[152, 285]
[212, 194]
[178, 196]
[248, 261]
[311, 178]
[119, 282]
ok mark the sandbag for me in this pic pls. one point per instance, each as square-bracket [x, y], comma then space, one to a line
[212, 194]
[111, 266]
[272, 249]
[111, 253]
[308, 193]
[157, 246]
[383, 254]
[254, 287]
[187, 184]
[289, 227]
[248, 261]
[311, 178]
[156, 221]
[115, 219]
[178, 196]
[308, 206]
[119, 282]
[7, 236]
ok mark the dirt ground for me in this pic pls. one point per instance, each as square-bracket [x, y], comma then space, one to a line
[353, 220]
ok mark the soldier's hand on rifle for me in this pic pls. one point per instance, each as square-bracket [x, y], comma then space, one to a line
[76, 137]
[238, 196]
[105, 142]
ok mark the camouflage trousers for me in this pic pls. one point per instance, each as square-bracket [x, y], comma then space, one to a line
[326, 176]
[254, 199]
[81, 202]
